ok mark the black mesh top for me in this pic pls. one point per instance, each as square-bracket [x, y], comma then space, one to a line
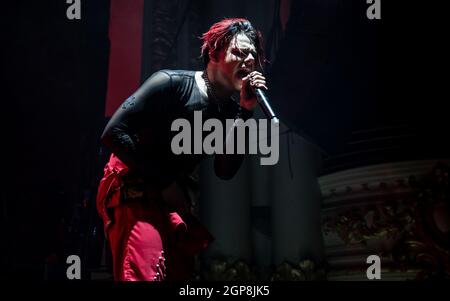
[139, 131]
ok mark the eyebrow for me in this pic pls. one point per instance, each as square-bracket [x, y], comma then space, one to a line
[246, 49]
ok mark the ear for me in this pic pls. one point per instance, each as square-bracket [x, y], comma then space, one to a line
[213, 56]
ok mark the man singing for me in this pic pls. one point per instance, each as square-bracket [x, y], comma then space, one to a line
[152, 238]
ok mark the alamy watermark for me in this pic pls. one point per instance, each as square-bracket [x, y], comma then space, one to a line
[73, 12]
[374, 270]
[374, 9]
[74, 269]
[213, 143]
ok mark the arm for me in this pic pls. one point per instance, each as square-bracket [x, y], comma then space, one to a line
[146, 102]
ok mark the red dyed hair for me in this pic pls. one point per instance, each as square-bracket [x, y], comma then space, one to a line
[218, 38]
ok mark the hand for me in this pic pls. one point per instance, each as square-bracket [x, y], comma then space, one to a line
[253, 80]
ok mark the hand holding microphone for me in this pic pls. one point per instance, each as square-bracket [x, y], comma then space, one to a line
[256, 83]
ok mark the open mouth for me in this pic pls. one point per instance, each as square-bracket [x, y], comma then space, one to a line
[242, 73]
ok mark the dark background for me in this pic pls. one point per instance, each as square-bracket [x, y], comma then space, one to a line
[369, 91]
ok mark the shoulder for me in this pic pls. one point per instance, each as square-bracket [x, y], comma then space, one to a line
[168, 79]
[163, 81]
[175, 75]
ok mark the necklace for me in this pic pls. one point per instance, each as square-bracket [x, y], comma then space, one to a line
[209, 89]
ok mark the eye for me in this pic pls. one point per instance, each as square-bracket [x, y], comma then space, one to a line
[238, 53]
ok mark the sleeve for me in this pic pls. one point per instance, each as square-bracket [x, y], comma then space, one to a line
[227, 165]
[149, 101]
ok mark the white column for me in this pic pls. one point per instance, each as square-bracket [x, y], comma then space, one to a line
[225, 210]
[296, 202]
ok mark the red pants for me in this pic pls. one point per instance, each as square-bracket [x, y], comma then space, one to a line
[148, 241]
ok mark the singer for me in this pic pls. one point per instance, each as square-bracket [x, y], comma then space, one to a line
[152, 237]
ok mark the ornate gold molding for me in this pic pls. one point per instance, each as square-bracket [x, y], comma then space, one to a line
[303, 271]
[227, 270]
[417, 226]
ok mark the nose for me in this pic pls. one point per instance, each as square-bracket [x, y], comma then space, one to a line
[250, 57]
[249, 60]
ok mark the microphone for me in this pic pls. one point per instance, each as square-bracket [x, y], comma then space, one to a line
[263, 102]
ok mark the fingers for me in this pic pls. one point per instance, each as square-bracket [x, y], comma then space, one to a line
[257, 80]
[253, 75]
[261, 86]
[258, 76]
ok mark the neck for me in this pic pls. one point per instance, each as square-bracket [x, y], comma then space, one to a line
[217, 82]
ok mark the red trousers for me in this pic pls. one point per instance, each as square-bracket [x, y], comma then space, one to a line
[148, 241]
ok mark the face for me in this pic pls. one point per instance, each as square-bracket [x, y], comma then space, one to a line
[237, 61]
